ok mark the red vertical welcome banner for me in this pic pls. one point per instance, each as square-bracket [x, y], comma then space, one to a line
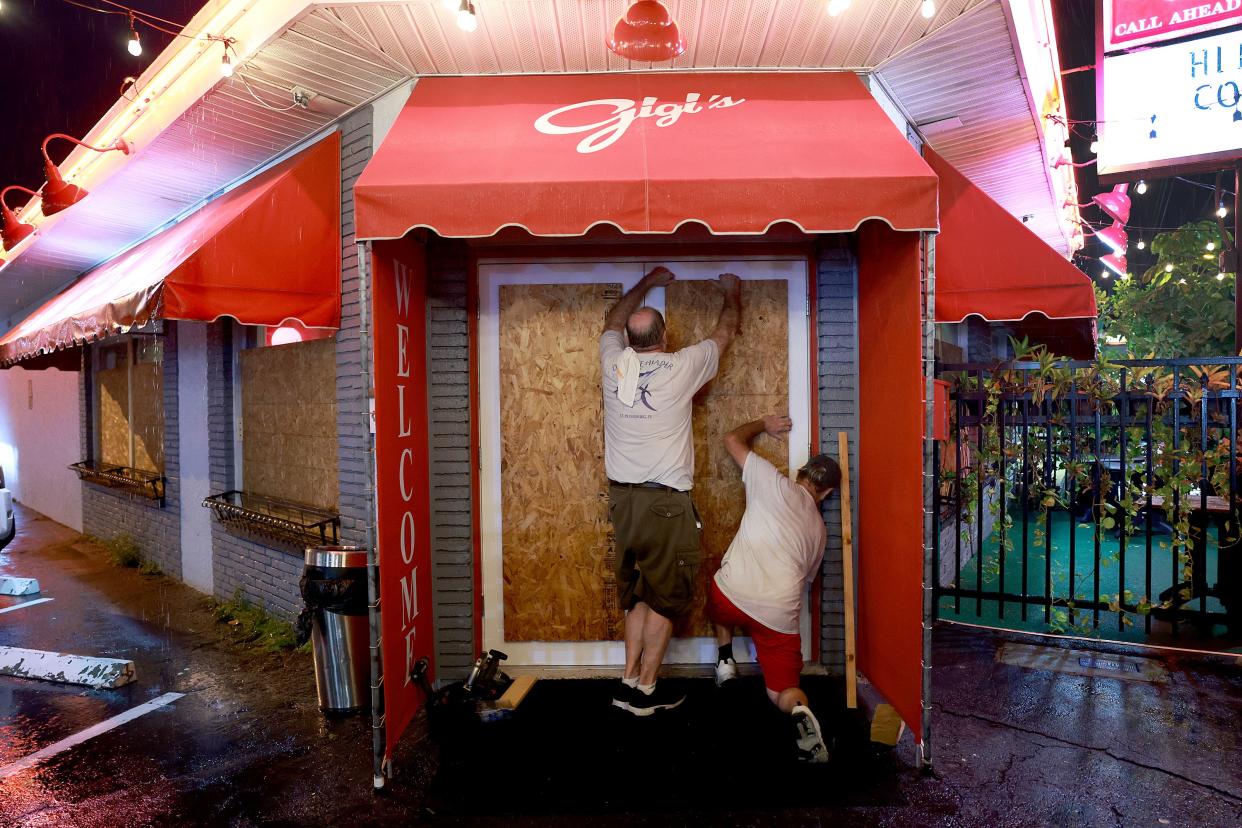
[399, 339]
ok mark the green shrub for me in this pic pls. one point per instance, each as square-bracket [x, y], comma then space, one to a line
[123, 550]
[253, 624]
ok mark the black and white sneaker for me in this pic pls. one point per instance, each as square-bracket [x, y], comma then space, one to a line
[623, 695]
[644, 704]
[726, 670]
[811, 746]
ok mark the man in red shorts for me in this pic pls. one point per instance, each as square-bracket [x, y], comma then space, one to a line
[766, 571]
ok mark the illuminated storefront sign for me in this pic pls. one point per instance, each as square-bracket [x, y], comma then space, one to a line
[1176, 106]
[1129, 23]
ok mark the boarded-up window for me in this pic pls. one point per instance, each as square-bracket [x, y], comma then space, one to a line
[288, 422]
[129, 384]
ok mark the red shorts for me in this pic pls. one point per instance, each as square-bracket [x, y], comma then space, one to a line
[779, 654]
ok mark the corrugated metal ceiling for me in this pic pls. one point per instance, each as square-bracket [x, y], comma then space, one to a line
[224, 136]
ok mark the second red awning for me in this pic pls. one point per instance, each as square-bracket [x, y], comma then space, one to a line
[989, 264]
[263, 253]
[645, 152]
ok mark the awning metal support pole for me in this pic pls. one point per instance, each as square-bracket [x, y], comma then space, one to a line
[373, 594]
[924, 757]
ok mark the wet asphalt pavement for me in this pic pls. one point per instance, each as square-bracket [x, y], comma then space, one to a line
[246, 746]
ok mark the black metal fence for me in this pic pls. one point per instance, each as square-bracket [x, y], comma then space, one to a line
[1094, 498]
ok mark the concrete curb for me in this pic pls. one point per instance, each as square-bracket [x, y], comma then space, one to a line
[64, 668]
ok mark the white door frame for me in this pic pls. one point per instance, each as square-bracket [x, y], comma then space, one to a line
[492, 273]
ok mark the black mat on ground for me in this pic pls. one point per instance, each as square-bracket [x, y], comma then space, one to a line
[566, 750]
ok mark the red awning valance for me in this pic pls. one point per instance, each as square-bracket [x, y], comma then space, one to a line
[263, 253]
[646, 152]
[989, 264]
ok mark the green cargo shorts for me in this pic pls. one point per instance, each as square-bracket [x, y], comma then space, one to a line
[657, 547]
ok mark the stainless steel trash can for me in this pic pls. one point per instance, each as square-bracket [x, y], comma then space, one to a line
[334, 587]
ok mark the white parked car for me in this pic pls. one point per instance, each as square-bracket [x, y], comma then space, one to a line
[8, 528]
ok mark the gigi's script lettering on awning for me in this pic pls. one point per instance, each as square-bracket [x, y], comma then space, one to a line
[625, 111]
[1207, 62]
[405, 430]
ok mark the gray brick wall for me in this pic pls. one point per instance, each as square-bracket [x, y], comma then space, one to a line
[837, 320]
[352, 432]
[107, 513]
[448, 372]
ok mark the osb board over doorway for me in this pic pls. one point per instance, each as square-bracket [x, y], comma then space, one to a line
[557, 549]
[557, 541]
[753, 380]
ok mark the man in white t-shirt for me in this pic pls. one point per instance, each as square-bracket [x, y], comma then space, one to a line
[649, 459]
[767, 569]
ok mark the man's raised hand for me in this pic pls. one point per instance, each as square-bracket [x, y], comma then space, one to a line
[729, 283]
[777, 424]
[660, 276]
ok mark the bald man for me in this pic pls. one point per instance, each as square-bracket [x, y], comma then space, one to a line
[649, 458]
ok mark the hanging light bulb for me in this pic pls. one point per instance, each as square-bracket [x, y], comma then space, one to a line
[226, 65]
[1141, 244]
[1095, 146]
[928, 9]
[1103, 274]
[1210, 246]
[1141, 188]
[466, 19]
[1168, 268]
[837, 7]
[1220, 277]
[1221, 211]
[135, 43]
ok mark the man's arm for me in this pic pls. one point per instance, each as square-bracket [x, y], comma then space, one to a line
[730, 312]
[739, 439]
[633, 299]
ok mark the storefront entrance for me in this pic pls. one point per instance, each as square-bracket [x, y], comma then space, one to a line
[546, 545]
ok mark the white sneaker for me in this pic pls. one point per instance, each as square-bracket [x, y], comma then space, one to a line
[726, 670]
[811, 747]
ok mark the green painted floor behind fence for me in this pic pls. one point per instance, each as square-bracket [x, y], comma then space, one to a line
[1079, 541]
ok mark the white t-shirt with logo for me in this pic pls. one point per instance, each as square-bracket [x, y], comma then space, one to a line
[777, 549]
[652, 441]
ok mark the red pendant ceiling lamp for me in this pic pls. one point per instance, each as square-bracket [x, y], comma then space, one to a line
[647, 33]
[15, 231]
[59, 194]
[1115, 204]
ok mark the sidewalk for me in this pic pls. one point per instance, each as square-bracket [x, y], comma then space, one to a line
[246, 746]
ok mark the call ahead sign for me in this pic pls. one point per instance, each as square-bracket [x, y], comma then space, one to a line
[1129, 23]
[1175, 107]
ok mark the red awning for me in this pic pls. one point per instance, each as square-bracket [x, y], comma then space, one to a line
[646, 152]
[263, 253]
[989, 264]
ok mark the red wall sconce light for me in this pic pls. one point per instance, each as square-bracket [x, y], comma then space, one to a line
[1115, 204]
[1114, 236]
[648, 33]
[1116, 262]
[15, 230]
[59, 194]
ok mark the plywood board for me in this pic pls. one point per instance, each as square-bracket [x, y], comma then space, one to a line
[148, 416]
[289, 434]
[558, 561]
[753, 381]
[113, 386]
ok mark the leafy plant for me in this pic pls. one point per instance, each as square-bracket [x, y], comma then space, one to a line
[252, 624]
[1178, 307]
